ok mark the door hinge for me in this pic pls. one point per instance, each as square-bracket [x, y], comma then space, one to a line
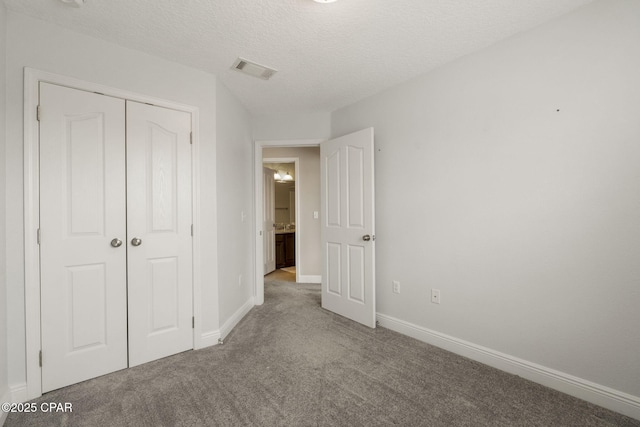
[191, 230]
[38, 113]
[38, 236]
[193, 322]
[40, 358]
[190, 137]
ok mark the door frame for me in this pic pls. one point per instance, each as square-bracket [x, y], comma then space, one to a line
[296, 162]
[257, 190]
[32, 78]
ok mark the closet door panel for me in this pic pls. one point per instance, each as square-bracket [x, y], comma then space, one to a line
[82, 205]
[159, 232]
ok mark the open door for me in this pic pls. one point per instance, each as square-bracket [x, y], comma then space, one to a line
[348, 227]
[269, 213]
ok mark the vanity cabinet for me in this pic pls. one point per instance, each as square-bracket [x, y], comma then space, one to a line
[285, 249]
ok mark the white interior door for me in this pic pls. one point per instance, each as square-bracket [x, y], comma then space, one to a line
[269, 213]
[348, 228]
[159, 232]
[292, 205]
[83, 269]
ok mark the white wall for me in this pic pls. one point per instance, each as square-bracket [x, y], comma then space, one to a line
[309, 182]
[4, 382]
[510, 180]
[37, 44]
[291, 126]
[235, 195]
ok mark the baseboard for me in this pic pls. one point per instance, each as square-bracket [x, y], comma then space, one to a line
[207, 339]
[6, 398]
[236, 318]
[19, 393]
[606, 397]
[310, 279]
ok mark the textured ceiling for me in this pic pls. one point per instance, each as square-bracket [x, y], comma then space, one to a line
[327, 55]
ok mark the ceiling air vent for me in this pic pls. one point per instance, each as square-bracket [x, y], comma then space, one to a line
[253, 69]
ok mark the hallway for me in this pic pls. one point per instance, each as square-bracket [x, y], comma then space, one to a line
[281, 274]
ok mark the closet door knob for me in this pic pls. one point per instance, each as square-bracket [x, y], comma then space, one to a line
[116, 243]
[136, 241]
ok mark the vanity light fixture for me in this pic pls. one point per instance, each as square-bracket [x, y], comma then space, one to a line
[282, 177]
[324, 1]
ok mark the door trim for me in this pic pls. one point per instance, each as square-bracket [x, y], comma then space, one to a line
[257, 191]
[32, 78]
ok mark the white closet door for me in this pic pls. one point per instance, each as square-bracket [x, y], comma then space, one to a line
[159, 232]
[83, 270]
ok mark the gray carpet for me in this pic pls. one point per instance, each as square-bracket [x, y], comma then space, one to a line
[290, 363]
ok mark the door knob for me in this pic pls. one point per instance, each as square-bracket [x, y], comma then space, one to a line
[366, 237]
[116, 243]
[136, 241]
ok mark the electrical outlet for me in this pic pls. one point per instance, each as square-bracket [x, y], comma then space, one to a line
[435, 296]
[395, 287]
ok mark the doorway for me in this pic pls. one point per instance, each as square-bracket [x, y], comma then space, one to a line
[347, 226]
[282, 228]
[259, 204]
